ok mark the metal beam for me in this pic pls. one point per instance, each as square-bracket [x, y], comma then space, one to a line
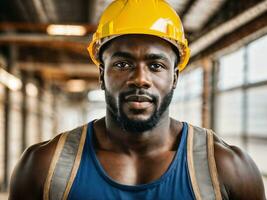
[186, 8]
[194, 20]
[236, 39]
[179, 6]
[226, 28]
[99, 8]
[49, 6]
[91, 10]
[39, 9]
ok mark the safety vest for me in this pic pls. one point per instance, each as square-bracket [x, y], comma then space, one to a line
[200, 158]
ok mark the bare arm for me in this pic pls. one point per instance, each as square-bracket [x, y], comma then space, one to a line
[28, 178]
[238, 174]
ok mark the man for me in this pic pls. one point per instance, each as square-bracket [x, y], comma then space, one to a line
[137, 151]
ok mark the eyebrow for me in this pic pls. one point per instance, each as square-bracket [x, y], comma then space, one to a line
[123, 54]
[152, 56]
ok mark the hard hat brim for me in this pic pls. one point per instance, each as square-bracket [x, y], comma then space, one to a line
[95, 46]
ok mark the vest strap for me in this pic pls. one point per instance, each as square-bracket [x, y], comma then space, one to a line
[190, 161]
[201, 164]
[65, 164]
[200, 158]
[52, 167]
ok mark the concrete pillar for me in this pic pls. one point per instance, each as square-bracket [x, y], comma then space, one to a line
[40, 111]
[10, 53]
[24, 111]
[207, 75]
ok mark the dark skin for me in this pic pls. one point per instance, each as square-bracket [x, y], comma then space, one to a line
[143, 157]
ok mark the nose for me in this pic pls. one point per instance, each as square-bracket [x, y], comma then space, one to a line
[140, 78]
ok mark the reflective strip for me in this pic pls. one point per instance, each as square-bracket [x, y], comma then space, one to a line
[212, 166]
[52, 167]
[76, 163]
[201, 164]
[65, 164]
[190, 161]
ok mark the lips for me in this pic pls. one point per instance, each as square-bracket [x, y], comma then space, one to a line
[138, 101]
[138, 98]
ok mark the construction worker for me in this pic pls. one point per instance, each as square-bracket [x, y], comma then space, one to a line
[137, 151]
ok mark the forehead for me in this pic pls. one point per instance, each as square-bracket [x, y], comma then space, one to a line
[140, 44]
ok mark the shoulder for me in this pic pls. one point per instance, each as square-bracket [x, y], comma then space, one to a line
[238, 174]
[30, 172]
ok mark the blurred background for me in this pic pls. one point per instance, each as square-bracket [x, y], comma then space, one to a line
[48, 84]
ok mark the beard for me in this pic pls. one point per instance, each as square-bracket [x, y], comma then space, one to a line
[137, 126]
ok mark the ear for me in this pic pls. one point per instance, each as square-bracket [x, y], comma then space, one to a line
[175, 78]
[101, 76]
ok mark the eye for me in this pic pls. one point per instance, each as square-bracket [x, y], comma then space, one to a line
[157, 67]
[122, 65]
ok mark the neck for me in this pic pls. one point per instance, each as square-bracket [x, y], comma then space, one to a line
[160, 138]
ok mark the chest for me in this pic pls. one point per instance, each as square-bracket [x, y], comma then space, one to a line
[131, 170]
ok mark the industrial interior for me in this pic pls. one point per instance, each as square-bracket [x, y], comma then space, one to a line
[49, 85]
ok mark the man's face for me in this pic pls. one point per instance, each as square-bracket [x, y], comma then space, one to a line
[138, 76]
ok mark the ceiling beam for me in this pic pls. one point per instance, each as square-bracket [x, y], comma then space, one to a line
[100, 6]
[69, 69]
[186, 8]
[229, 10]
[49, 6]
[60, 73]
[91, 10]
[39, 9]
[230, 42]
[38, 27]
[199, 13]
[231, 25]
[72, 44]
[178, 5]
[21, 6]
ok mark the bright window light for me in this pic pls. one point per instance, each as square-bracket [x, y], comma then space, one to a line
[96, 95]
[74, 30]
[31, 90]
[76, 85]
[9, 80]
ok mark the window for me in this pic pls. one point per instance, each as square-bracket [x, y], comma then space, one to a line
[241, 105]
[257, 61]
[231, 71]
[229, 113]
[257, 111]
[245, 106]
[15, 128]
[187, 101]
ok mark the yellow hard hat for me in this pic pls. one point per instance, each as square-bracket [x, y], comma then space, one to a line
[151, 17]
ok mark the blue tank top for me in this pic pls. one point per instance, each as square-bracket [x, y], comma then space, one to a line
[92, 182]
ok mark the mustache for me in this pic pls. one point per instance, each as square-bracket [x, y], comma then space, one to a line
[123, 95]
